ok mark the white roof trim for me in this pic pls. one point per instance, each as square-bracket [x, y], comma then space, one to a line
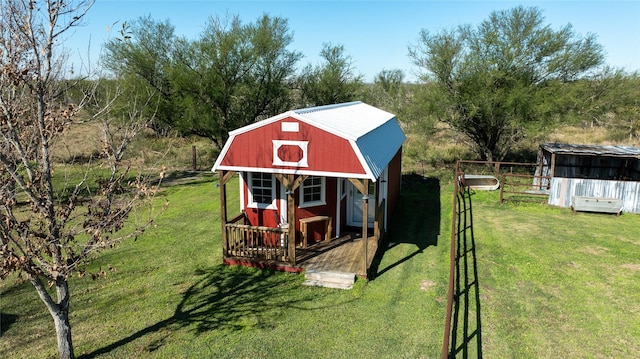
[223, 153]
[361, 159]
[259, 124]
[294, 172]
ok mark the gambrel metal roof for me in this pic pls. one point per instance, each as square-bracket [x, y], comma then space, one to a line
[350, 120]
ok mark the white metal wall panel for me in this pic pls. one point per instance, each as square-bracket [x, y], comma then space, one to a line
[563, 189]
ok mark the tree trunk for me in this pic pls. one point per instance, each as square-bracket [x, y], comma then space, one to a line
[487, 154]
[63, 334]
[60, 314]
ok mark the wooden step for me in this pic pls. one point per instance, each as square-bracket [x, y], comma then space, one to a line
[328, 279]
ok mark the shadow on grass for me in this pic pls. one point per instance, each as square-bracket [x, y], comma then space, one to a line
[416, 220]
[6, 320]
[223, 299]
[184, 177]
[465, 328]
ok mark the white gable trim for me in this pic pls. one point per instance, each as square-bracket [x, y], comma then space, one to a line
[296, 172]
[259, 124]
[363, 163]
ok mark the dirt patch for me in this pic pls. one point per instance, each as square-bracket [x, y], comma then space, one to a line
[427, 284]
[626, 240]
[595, 250]
[631, 266]
[176, 178]
[573, 265]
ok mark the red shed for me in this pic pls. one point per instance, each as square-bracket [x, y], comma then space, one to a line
[326, 170]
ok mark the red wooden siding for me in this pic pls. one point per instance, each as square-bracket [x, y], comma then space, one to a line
[316, 232]
[394, 182]
[326, 151]
[269, 217]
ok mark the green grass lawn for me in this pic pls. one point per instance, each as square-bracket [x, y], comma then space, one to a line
[557, 284]
[552, 284]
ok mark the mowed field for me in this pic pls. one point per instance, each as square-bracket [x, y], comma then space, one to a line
[557, 284]
[551, 284]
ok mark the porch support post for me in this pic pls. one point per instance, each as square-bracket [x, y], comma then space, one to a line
[376, 220]
[224, 177]
[363, 187]
[291, 183]
[365, 224]
[291, 243]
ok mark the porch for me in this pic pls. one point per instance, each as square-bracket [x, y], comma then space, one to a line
[346, 254]
[285, 247]
[266, 247]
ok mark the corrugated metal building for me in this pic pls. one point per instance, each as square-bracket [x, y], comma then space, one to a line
[590, 171]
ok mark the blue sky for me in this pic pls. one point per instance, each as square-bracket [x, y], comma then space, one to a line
[376, 34]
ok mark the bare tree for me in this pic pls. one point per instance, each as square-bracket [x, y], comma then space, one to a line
[50, 227]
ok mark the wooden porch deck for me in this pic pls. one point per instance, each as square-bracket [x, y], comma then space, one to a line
[344, 254]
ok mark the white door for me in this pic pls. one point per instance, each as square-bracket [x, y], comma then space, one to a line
[354, 205]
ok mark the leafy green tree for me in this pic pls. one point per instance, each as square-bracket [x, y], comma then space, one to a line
[609, 99]
[333, 81]
[390, 92]
[494, 81]
[234, 75]
[231, 76]
[615, 103]
[385, 91]
[142, 56]
[390, 80]
[627, 116]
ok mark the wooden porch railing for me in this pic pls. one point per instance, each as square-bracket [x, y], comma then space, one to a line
[256, 242]
[240, 218]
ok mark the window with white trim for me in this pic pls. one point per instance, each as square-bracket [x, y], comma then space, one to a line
[312, 192]
[262, 190]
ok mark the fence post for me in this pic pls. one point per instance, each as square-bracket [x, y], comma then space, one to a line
[194, 162]
[502, 184]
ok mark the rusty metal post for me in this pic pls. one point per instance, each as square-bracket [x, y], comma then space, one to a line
[502, 188]
[452, 260]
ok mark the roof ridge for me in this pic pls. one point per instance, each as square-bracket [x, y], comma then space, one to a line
[303, 111]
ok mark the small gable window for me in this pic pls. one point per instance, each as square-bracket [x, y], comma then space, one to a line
[312, 192]
[290, 153]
